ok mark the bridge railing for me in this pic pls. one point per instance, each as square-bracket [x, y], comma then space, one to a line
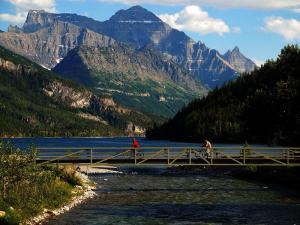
[188, 155]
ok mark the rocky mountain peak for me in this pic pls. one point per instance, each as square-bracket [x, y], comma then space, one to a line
[236, 49]
[37, 19]
[135, 14]
[36, 11]
[14, 29]
[238, 61]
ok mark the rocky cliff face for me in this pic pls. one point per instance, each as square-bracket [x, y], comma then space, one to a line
[16, 69]
[208, 65]
[49, 45]
[104, 107]
[80, 99]
[143, 64]
[238, 61]
[68, 95]
[37, 19]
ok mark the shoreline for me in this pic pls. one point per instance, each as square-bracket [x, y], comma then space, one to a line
[88, 192]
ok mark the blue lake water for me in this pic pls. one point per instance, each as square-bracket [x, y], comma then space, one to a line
[24, 143]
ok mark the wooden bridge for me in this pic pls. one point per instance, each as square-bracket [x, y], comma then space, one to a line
[172, 156]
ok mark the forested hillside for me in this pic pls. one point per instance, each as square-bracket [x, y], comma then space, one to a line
[261, 107]
[36, 102]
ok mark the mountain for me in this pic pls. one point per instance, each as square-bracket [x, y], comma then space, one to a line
[91, 58]
[50, 44]
[262, 107]
[137, 78]
[238, 61]
[57, 35]
[139, 27]
[37, 102]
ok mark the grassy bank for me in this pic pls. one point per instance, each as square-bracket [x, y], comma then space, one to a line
[27, 189]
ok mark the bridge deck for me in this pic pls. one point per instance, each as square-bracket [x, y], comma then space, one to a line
[233, 156]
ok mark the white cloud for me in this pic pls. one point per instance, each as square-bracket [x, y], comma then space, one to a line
[23, 6]
[253, 4]
[193, 18]
[14, 19]
[288, 28]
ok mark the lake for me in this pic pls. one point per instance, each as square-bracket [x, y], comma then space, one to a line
[24, 143]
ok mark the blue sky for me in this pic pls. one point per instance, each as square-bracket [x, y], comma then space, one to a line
[260, 28]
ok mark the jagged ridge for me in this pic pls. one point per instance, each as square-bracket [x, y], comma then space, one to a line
[140, 27]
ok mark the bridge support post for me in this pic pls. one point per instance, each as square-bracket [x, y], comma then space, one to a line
[244, 156]
[288, 156]
[190, 156]
[168, 156]
[91, 156]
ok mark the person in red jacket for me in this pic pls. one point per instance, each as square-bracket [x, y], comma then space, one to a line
[135, 143]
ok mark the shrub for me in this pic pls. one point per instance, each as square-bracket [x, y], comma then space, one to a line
[29, 188]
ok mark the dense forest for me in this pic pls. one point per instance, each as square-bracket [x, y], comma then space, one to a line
[260, 107]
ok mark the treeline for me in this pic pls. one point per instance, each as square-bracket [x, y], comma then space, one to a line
[260, 107]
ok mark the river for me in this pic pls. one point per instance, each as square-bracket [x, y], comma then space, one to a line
[156, 195]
